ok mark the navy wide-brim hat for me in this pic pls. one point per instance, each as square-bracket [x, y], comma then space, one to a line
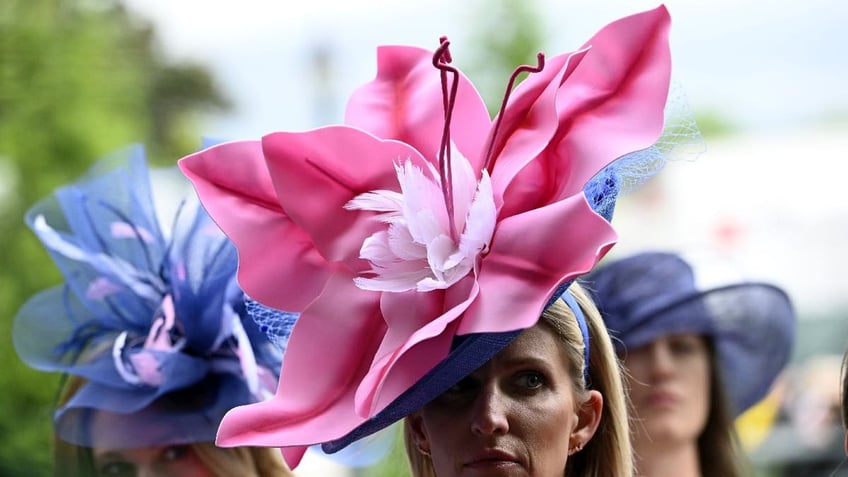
[654, 294]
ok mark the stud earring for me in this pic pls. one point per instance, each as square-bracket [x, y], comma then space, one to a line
[577, 448]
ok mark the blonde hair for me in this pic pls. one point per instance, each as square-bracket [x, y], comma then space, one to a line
[76, 461]
[70, 460]
[242, 461]
[609, 453]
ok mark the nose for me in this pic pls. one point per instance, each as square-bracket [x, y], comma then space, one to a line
[145, 471]
[489, 414]
[155, 471]
[662, 361]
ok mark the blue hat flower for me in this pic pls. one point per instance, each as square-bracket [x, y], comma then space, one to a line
[149, 316]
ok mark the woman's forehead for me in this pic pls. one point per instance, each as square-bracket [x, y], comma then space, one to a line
[677, 336]
[537, 343]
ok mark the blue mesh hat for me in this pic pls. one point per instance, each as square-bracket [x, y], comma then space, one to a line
[149, 314]
[653, 294]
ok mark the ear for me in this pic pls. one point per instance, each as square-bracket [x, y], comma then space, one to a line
[588, 419]
[418, 433]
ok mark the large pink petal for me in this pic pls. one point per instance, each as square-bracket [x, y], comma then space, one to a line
[420, 333]
[234, 186]
[293, 455]
[404, 102]
[626, 73]
[529, 124]
[532, 253]
[316, 173]
[315, 397]
[608, 104]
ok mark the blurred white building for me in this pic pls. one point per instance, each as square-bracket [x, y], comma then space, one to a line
[776, 204]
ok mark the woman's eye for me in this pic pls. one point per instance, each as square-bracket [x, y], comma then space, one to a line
[531, 380]
[116, 469]
[173, 453]
[458, 394]
[685, 346]
[460, 387]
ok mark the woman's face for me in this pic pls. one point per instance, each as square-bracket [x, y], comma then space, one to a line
[516, 415]
[170, 461]
[669, 382]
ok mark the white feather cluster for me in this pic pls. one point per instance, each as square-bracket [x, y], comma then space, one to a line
[417, 251]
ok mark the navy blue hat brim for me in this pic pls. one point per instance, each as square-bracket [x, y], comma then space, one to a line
[182, 417]
[468, 353]
[754, 337]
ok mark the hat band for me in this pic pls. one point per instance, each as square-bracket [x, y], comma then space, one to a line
[584, 330]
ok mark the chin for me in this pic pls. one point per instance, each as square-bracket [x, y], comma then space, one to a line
[665, 435]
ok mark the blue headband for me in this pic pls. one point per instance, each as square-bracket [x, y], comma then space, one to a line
[584, 330]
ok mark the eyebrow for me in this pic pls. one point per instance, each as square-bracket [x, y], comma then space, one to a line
[526, 361]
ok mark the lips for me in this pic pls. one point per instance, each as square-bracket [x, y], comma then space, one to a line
[491, 459]
[661, 399]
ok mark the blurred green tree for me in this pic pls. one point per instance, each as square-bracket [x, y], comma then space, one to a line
[504, 34]
[713, 124]
[77, 79]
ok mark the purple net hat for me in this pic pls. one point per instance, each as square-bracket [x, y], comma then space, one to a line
[149, 316]
[653, 294]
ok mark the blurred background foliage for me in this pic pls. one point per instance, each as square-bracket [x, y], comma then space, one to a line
[77, 80]
[512, 35]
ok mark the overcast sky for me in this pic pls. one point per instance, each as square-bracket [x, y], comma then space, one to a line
[763, 64]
